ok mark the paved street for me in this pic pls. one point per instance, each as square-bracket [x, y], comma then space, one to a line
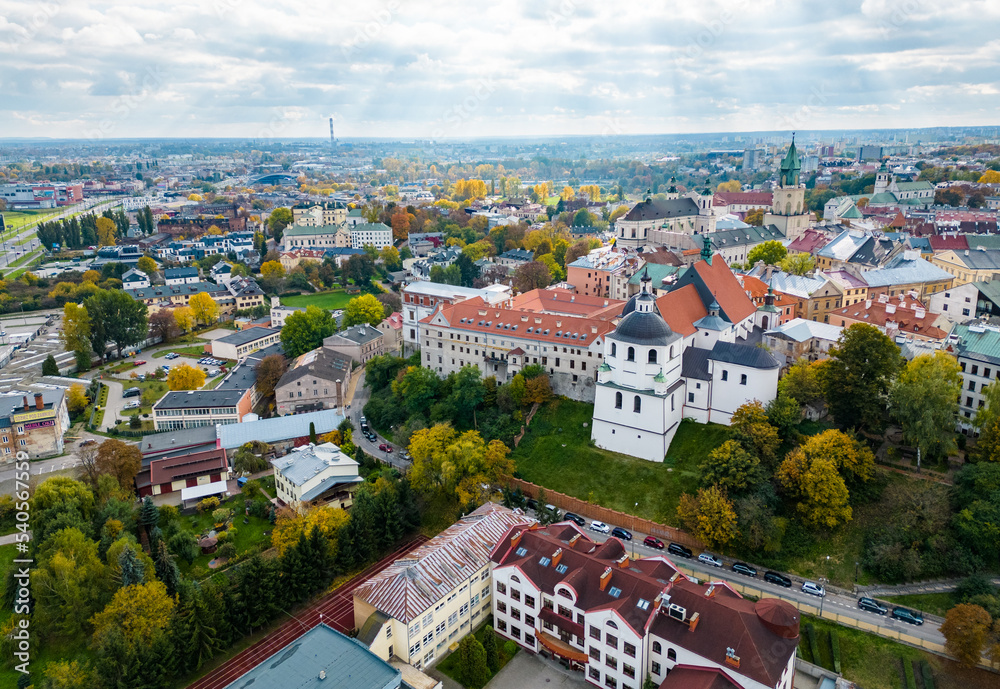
[361, 396]
[114, 405]
[9, 247]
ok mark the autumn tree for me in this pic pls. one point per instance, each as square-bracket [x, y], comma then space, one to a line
[731, 467]
[107, 232]
[69, 582]
[532, 275]
[924, 399]
[444, 461]
[802, 382]
[537, 390]
[279, 219]
[147, 265]
[731, 186]
[709, 516]
[184, 317]
[204, 308]
[76, 399]
[304, 331]
[185, 377]
[754, 217]
[272, 272]
[290, 526]
[119, 460]
[365, 309]
[163, 325]
[269, 371]
[857, 377]
[798, 264]
[770, 252]
[990, 177]
[390, 257]
[75, 334]
[751, 427]
[966, 629]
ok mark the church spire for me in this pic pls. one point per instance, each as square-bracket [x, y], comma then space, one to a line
[645, 279]
[790, 166]
[706, 249]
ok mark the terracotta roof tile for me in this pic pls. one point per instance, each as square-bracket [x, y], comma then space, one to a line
[681, 308]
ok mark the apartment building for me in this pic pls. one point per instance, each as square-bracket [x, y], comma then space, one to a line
[181, 276]
[425, 602]
[420, 299]
[315, 237]
[976, 345]
[34, 424]
[358, 343]
[617, 621]
[893, 316]
[329, 213]
[376, 234]
[244, 342]
[316, 474]
[194, 408]
[317, 380]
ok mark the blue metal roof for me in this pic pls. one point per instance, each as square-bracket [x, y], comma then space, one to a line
[277, 429]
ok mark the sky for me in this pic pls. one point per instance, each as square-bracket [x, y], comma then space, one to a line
[101, 69]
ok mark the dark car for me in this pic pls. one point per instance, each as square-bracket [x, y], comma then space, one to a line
[872, 605]
[744, 568]
[132, 392]
[779, 579]
[371, 436]
[580, 521]
[678, 549]
[906, 615]
[653, 542]
[385, 447]
[621, 533]
[532, 504]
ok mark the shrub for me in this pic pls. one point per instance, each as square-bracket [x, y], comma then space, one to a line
[925, 670]
[227, 550]
[509, 649]
[911, 682]
[221, 515]
[813, 644]
[835, 651]
[208, 504]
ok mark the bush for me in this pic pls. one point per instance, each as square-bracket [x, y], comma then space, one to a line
[835, 651]
[925, 670]
[208, 504]
[226, 550]
[509, 649]
[221, 515]
[911, 682]
[813, 644]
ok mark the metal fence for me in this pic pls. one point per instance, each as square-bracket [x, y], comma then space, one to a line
[567, 503]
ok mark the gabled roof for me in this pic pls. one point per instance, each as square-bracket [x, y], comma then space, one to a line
[425, 575]
[242, 337]
[660, 209]
[802, 330]
[714, 281]
[681, 308]
[750, 356]
[278, 428]
[756, 198]
[906, 273]
[322, 364]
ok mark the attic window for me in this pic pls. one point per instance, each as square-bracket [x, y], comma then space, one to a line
[513, 327]
[614, 592]
[643, 604]
[544, 562]
[546, 332]
[530, 328]
[559, 333]
[521, 552]
[561, 569]
[583, 337]
[574, 336]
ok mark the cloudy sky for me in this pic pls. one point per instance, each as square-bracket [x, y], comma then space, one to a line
[418, 68]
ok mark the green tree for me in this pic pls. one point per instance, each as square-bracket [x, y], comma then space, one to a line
[730, 467]
[115, 317]
[359, 269]
[75, 332]
[50, 367]
[924, 400]
[798, 264]
[492, 651]
[857, 377]
[802, 382]
[784, 413]
[418, 388]
[751, 427]
[472, 667]
[991, 406]
[70, 583]
[279, 219]
[305, 330]
[770, 252]
[366, 309]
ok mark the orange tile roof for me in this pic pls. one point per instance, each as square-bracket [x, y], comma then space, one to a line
[567, 302]
[905, 317]
[681, 308]
[719, 278]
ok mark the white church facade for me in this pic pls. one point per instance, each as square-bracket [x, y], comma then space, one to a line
[676, 357]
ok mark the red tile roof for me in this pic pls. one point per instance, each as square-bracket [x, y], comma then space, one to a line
[692, 677]
[729, 198]
[904, 316]
[718, 277]
[681, 308]
[944, 242]
[187, 466]
[567, 302]
[809, 242]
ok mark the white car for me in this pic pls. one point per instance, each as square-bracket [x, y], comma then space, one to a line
[813, 589]
[600, 526]
[134, 404]
[709, 559]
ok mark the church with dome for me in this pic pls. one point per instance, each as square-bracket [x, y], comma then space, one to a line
[691, 353]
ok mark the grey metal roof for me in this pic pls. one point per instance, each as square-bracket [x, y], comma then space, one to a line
[346, 664]
[324, 364]
[905, 273]
[694, 364]
[644, 328]
[328, 484]
[743, 355]
[802, 330]
[305, 462]
[13, 404]
[195, 399]
[181, 438]
[722, 239]
[242, 337]
[277, 429]
[658, 209]
[242, 377]
[171, 273]
[359, 334]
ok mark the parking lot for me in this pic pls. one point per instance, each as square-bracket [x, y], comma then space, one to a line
[152, 365]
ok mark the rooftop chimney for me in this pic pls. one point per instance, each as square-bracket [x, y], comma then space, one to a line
[623, 561]
[39, 403]
[605, 578]
[693, 623]
[572, 541]
[556, 556]
[516, 538]
[26, 407]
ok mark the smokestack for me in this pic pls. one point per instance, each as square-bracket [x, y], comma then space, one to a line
[39, 404]
[333, 142]
[26, 407]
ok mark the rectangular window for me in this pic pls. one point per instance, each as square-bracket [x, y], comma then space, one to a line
[743, 379]
[529, 600]
[529, 620]
[611, 662]
[595, 633]
[440, 629]
[428, 620]
[656, 668]
[725, 375]
[629, 650]
[464, 610]
[611, 640]
[628, 670]
[595, 674]
[690, 397]
[501, 587]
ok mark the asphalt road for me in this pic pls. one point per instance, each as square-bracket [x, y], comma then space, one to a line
[8, 249]
[361, 396]
[843, 602]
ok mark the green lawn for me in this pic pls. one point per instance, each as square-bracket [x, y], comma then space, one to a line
[557, 453]
[931, 603]
[247, 535]
[324, 300]
[197, 351]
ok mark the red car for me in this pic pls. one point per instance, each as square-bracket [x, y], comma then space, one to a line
[386, 447]
[653, 542]
[138, 363]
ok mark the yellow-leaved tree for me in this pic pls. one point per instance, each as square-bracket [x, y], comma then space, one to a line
[184, 316]
[445, 461]
[289, 526]
[76, 399]
[185, 377]
[709, 516]
[140, 612]
[990, 177]
[106, 232]
[204, 308]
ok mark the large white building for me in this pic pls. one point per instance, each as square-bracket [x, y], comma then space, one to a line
[320, 474]
[618, 621]
[654, 375]
[421, 298]
[376, 234]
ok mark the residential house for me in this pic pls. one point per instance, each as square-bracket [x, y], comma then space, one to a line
[514, 258]
[896, 317]
[320, 475]
[429, 599]
[134, 279]
[222, 273]
[181, 276]
[815, 295]
[801, 339]
[280, 313]
[318, 379]
[618, 621]
[358, 343]
[857, 251]
[392, 333]
[970, 265]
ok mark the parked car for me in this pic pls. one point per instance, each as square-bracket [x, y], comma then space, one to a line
[213, 372]
[166, 367]
[575, 518]
[172, 355]
[678, 549]
[386, 447]
[907, 615]
[813, 589]
[132, 392]
[141, 377]
[406, 456]
[371, 436]
[532, 504]
[619, 532]
[872, 605]
[88, 442]
[134, 404]
[744, 569]
[138, 362]
[709, 559]
[600, 527]
[777, 578]
[652, 542]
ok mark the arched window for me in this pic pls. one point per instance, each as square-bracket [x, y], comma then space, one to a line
[614, 349]
[637, 404]
[788, 208]
[657, 648]
[631, 354]
[652, 356]
[671, 352]
[671, 654]
[611, 623]
[618, 400]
